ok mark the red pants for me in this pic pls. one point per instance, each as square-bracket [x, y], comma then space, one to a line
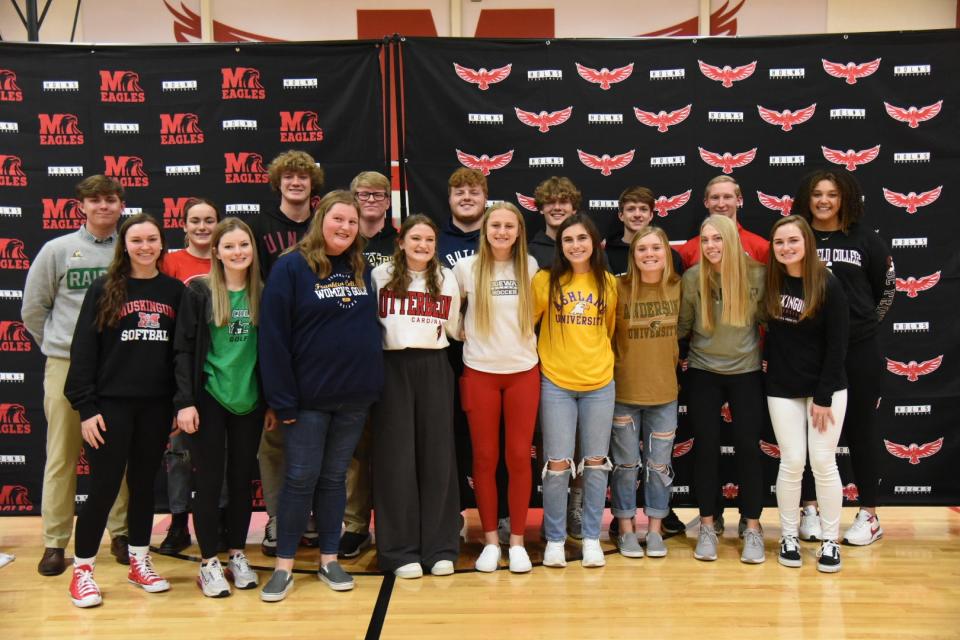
[484, 396]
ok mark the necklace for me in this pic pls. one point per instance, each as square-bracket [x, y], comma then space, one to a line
[823, 236]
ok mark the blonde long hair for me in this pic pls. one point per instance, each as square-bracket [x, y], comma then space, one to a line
[668, 278]
[483, 273]
[217, 281]
[734, 279]
[313, 247]
[814, 273]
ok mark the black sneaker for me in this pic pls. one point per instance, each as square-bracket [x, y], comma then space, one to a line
[176, 540]
[118, 547]
[614, 528]
[828, 557]
[790, 552]
[269, 544]
[672, 525]
[351, 543]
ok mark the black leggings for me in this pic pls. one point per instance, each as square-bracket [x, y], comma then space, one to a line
[223, 435]
[136, 436]
[706, 392]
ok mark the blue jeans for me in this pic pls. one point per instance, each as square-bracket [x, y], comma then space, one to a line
[318, 448]
[630, 423]
[560, 411]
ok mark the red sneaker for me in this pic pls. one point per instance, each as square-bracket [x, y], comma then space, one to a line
[142, 574]
[84, 591]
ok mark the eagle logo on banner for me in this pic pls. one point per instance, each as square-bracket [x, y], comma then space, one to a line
[783, 204]
[605, 77]
[911, 286]
[910, 201]
[770, 449]
[850, 71]
[728, 161]
[484, 163]
[911, 370]
[606, 164]
[662, 120]
[913, 116]
[726, 75]
[787, 119]
[682, 448]
[851, 159]
[913, 452]
[664, 205]
[527, 202]
[543, 120]
[481, 77]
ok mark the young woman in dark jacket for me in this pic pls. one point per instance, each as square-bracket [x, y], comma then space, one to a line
[219, 401]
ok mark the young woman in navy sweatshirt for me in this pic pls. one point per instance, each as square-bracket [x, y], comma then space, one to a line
[121, 383]
[322, 367]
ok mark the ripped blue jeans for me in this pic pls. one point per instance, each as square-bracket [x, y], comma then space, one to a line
[630, 424]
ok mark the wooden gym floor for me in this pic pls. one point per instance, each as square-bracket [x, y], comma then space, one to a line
[906, 585]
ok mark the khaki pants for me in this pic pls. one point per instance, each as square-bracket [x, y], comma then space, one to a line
[64, 443]
[270, 456]
[356, 516]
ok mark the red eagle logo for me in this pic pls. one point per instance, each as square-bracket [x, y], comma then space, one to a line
[727, 75]
[725, 412]
[913, 115]
[662, 120]
[728, 161]
[481, 77]
[543, 120]
[664, 205]
[912, 370]
[913, 452]
[850, 492]
[912, 200]
[484, 163]
[850, 71]
[527, 202]
[605, 77]
[786, 119]
[851, 159]
[783, 204]
[770, 449]
[606, 164]
[730, 490]
[913, 285]
[682, 448]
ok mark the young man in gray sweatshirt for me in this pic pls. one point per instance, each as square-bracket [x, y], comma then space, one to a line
[56, 284]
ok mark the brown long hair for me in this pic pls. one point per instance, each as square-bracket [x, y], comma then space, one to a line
[561, 269]
[483, 272]
[313, 247]
[813, 273]
[118, 273]
[632, 278]
[217, 281]
[734, 278]
[400, 278]
[851, 196]
[190, 204]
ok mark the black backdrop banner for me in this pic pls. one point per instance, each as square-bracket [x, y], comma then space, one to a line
[670, 114]
[169, 122]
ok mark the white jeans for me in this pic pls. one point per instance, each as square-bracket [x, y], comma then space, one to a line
[790, 417]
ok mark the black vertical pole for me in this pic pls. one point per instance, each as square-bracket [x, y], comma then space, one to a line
[33, 24]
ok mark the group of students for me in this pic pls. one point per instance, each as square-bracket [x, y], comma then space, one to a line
[299, 367]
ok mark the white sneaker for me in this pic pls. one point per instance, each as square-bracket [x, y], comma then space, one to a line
[409, 571]
[442, 568]
[554, 555]
[592, 553]
[243, 576]
[519, 560]
[489, 559]
[864, 530]
[212, 581]
[810, 524]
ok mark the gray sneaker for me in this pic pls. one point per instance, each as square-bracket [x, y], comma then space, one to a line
[503, 531]
[742, 526]
[706, 544]
[629, 545]
[335, 577]
[277, 587]
[752, 547]
[655, 546]
[575, 514]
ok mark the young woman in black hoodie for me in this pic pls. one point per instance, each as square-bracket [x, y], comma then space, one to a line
[121, 382]
[218, 398]
[832, 202]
